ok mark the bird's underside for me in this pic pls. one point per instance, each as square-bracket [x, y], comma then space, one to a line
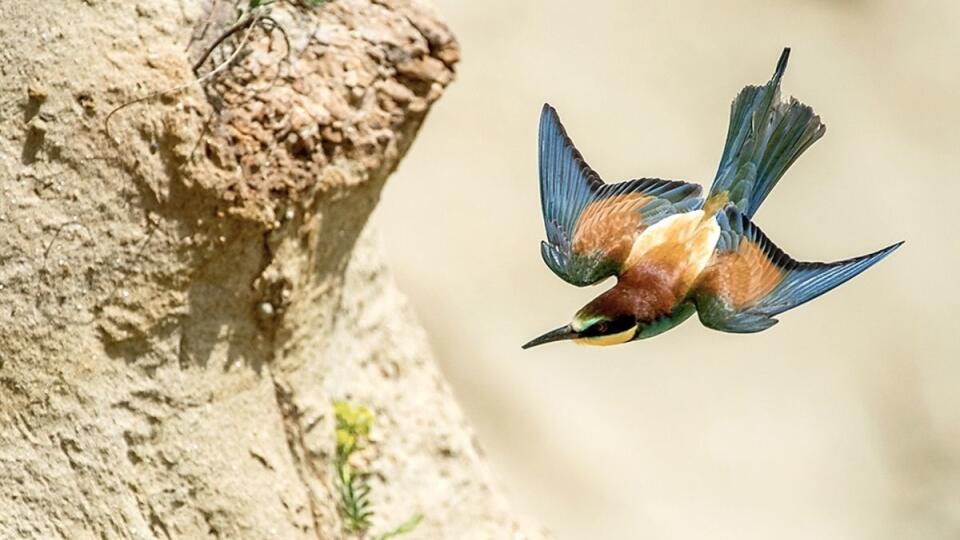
[674, 251]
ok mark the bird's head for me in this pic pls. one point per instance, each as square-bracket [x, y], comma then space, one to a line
[601, 322]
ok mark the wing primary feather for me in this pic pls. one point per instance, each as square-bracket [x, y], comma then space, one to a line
[568, 186]
[733, 298]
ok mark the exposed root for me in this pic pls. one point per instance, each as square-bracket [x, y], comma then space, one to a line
[248, 23]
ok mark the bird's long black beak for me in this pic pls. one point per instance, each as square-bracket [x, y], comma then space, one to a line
[564, 332]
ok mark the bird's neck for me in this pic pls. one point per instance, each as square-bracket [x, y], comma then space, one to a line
[647, 290]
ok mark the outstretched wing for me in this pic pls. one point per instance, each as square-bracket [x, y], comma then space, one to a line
[591, 225]
[750, 280]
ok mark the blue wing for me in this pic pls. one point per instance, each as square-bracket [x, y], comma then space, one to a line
[751, 280]
[588, 222]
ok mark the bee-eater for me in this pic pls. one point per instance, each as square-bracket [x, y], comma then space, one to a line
[673, 251]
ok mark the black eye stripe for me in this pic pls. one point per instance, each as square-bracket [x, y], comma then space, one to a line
[603, 328]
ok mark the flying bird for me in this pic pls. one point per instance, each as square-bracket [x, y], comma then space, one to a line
[673, 251]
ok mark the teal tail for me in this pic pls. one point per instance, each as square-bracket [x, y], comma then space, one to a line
[765, 136]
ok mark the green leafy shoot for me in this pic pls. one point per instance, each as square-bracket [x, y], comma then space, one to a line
[353, 428]
[354, 500]
[404, 528]
[353, 425]
[253, 5]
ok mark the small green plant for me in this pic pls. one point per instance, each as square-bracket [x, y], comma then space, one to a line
[254, 4]
[354, 423]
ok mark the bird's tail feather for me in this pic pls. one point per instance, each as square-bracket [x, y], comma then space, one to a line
[766, 135]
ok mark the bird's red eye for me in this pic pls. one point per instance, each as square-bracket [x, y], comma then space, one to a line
[600, 328]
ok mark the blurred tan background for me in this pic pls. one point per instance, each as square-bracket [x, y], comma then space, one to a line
[842, 422]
